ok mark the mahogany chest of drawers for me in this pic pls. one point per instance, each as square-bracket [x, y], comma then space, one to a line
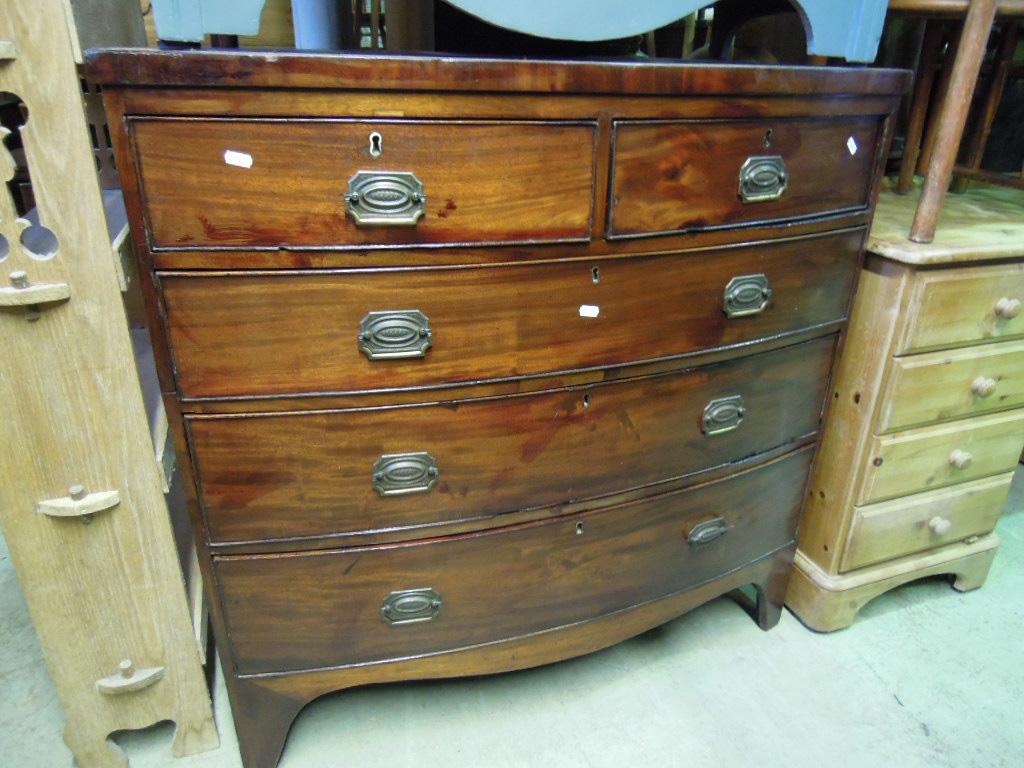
[476, 365]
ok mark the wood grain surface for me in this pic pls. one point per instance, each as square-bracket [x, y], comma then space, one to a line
[293, 475]
[484, 181]
[940, 386]
[683, 176]
[891, 529]
[296, 332]
[309, 610]
[956, 306]
[282, 69]
[919, 459]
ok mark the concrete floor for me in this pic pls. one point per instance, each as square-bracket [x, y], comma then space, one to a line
[926, 677]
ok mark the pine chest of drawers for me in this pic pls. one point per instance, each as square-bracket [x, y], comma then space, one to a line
[478, 365]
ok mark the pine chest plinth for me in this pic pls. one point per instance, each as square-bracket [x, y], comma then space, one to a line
[476, 365]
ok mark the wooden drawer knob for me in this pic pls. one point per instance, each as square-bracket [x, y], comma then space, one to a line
[960, 459]
[983, 386]
[1008, 308]
[939, 525]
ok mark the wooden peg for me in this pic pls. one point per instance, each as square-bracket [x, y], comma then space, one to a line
[128, 678]
[22, 292]
[78, 503]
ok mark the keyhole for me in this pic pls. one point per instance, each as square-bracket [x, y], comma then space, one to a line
[579, 529]
[376, 144]
[586, 401]
[768, 138]
[595, 275]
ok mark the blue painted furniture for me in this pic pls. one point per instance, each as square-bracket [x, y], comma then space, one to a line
[848, 30]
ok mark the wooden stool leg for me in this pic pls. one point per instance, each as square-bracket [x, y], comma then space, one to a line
[938, 98]
[90, 745]
[994, 94]
[952, 116]
[931, 47]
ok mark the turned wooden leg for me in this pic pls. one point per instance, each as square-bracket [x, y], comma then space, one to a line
[262, 720]
[91, 747]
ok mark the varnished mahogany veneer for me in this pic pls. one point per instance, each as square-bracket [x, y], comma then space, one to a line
[663, 181]
[572, 466]
[474, 194]
[323, 609]
[238, 334]
[293, 475]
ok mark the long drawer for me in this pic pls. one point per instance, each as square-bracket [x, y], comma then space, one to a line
[939, 386]
[272, 476]
[256, 334]
[319, 609]
[964, 305]
[932, 457]
[307, 183]
[923, 521]
[672, 176]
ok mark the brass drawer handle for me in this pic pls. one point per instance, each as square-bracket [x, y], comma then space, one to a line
[385, 198]
[983, 386]
[395, 334]
[398, 474]
[410, 606]
[1007, 308]
[960, 459]
[746, 295]
[763, 178]
[707, 531]
[723, 414]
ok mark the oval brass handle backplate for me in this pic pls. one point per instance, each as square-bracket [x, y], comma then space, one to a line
[707, 531]
[397, 474]
[385, 199]
[724, 414]
[746, 295]
[409, 606]
[763, 178]
[395, 334]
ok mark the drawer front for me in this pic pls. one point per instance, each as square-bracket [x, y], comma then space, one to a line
[286, 612]
[312, 474]
[290, 333]
[690, 175]
[270, 183]
[938, 386]
[954, 307]
[924, 521]
[933, 457]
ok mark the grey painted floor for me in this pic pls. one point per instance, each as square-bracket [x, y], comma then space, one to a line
[926, 677]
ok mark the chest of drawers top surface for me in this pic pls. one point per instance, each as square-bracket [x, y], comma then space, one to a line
[479, 364]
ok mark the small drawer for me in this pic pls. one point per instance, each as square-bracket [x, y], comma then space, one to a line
[274, 183]
[349, 606]
[939, 386]
[294, 475]
[681, 176]
[933, 457]
[257, 334]
[964, 305]
[924, 521]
